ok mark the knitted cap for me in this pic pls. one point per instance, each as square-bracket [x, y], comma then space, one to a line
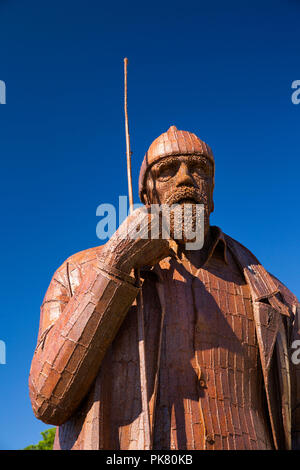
[172, 142]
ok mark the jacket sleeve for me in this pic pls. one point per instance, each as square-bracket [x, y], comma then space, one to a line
[74, 335]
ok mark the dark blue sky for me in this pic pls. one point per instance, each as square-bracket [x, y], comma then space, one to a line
[220, 69]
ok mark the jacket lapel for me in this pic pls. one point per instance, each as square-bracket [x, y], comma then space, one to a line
[269, 312]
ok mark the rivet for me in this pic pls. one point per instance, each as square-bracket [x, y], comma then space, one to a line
[210, 439]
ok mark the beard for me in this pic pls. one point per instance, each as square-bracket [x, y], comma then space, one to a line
[184, 218]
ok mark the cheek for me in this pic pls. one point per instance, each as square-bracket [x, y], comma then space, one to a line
[203, 185]
[163, 191]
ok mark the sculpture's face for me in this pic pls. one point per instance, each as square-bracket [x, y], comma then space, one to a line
[179, 179]
[186, 179]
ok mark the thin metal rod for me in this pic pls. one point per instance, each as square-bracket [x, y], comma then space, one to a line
[142, 360]
[128, 150]
[161, 296]
[140, 306]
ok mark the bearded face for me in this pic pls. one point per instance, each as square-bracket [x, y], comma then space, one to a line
[186, 179]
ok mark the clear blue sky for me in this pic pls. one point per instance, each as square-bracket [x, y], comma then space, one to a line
[220, 69]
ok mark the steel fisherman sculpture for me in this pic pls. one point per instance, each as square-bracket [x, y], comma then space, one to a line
[218, 331]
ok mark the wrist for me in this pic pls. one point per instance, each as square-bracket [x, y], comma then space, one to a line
[123, 253]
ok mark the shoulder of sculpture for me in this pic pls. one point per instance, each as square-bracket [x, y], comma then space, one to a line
[288, 295]
[77, 260]
[241, 251]
[85, 256]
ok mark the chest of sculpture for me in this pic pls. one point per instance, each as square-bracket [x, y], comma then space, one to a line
[210, 372]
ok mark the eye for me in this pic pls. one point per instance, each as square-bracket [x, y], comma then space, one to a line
[166, 171]
[199, 168]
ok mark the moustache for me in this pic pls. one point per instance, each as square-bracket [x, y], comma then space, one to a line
[186, 193]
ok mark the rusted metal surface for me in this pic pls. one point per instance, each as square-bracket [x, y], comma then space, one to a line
[218, 330]
[213, 388]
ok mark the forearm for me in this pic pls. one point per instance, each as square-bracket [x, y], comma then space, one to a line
[68, 358]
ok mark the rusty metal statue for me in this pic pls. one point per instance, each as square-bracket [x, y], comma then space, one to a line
[217, 332]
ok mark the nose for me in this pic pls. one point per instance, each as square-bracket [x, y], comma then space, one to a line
[183, 176]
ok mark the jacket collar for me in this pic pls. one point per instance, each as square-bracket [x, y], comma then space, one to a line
[263, 286]
[218, 244]
[260, 281]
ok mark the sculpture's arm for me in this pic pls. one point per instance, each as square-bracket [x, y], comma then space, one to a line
[70, 350]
